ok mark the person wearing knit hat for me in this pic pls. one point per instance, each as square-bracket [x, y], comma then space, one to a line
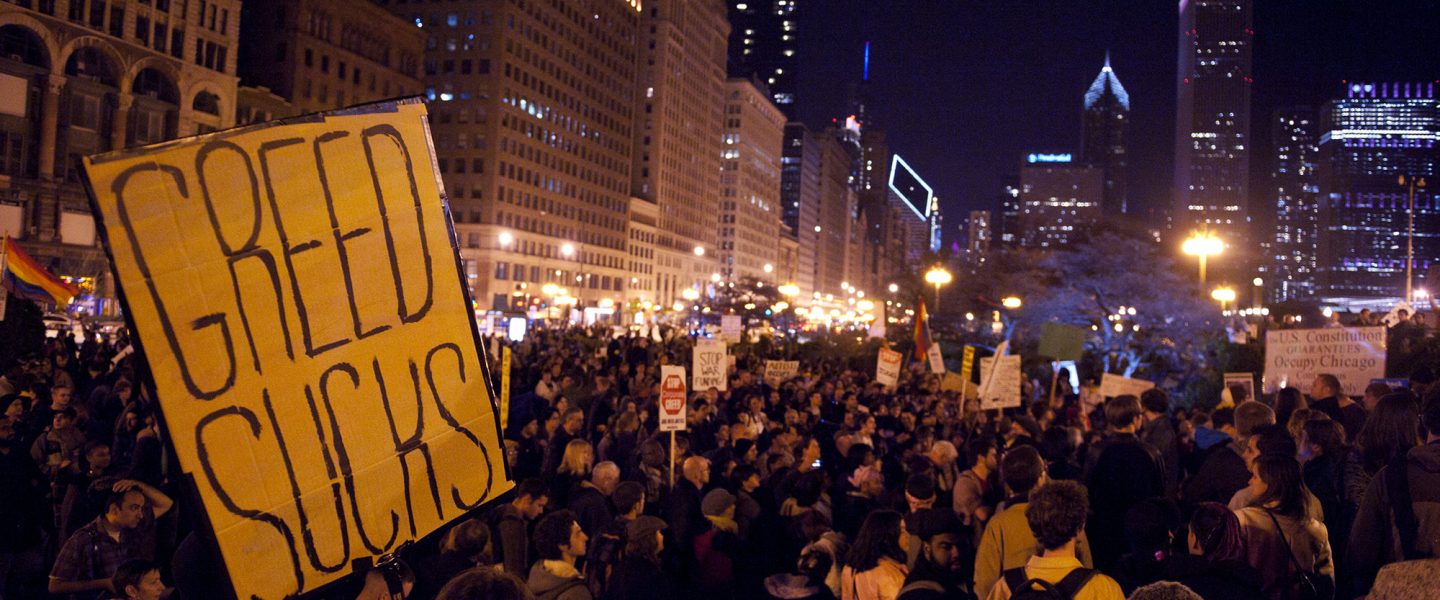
[646, 525]
[866, 486]
[717, 546]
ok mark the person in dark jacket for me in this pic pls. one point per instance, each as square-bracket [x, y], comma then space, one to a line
[1372, 541]
[590, 500]
[1158, 431]
[1121, 471]
[639, 576]
[938, 571]
[1328, 397]
[570, 425]
[1224, 471]
[509, 526]
[716, 546]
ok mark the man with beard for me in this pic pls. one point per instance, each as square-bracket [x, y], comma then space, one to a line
[938, 569]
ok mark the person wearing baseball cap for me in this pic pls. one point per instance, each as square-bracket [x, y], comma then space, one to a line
[639, 575]
[716, 546]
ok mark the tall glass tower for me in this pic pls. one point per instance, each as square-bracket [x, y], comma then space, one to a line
[1107, 115]
[763, 43]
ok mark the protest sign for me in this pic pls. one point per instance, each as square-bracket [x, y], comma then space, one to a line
[1112, 385]
[952, 382]
[1000, 381]
[1245, 381]
[967, 363]
[887, 367]
[1295, 356]
[709, 365]
[780, 371]
[937, 360]
[730, 328]
[1059, 342]
[505, 359]
[296, 291]
[672, 398]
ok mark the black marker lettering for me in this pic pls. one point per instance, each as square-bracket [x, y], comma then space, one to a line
[341, 237]
[344, 459]
[455, 423]
[387, 131]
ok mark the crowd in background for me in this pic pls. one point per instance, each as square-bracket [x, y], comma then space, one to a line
[823, 485]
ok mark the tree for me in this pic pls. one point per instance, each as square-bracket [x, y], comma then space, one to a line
[22, 332]
[1165, 325]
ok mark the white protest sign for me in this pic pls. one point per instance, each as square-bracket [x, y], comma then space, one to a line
[937, 360]
[730, 328]
[1000, 382]
[780, 371]
[672, 398]
[1295, 356]
[887, 367]
[1112, 385]
[709, 365]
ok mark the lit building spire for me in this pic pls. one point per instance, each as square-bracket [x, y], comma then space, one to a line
[1106, 81]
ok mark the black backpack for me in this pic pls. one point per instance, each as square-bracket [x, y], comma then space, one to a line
[1029, 588]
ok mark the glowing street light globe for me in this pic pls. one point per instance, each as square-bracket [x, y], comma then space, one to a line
[1202, 245]
[938, 276]
[790, 290]
[506, 238]
[1012, 302]
[690, 294]
[567, 249]
[1223, 295]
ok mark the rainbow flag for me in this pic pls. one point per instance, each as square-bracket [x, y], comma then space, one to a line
[26, 279]
[922, 330]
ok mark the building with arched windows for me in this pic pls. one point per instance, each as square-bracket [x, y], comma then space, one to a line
[85, 77]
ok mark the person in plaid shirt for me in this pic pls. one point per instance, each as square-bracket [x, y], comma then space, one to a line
[88, 560]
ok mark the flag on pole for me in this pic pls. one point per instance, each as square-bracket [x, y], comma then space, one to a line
[27, 279]
[922, 330]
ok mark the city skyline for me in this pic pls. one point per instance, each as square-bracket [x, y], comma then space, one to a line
[1025, 69]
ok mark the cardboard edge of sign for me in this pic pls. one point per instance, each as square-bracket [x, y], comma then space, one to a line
[188, 488]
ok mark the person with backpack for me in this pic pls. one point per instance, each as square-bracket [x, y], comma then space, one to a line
[509, 525]
[1403, 497]
[939, 570]
[1287, 546]
[1056, 514]
[1008, 542]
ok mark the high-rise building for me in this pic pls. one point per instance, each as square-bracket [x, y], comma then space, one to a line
[1291, 273]
[326, 54]
[678, 137]
[800, 196]
[1059, 200]
[1107, 117]
[1369, 138]
[532, 113]
[1007, 226]
[837, 216]
[1212, 125]
[80, 78]
[911, 200]
[750, 183]
[763, 44]
[978, 234]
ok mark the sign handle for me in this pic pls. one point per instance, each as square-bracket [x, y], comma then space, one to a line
[672, 459]
[1054, 379]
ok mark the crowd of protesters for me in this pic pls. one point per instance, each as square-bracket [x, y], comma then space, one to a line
[823, 485]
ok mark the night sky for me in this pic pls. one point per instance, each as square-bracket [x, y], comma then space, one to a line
[964, 89]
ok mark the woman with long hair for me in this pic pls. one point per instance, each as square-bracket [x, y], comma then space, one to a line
[1287, 401]
[574, 468]
[1290, 549]
[1215, 564]
[875, 565]
[1390, 431]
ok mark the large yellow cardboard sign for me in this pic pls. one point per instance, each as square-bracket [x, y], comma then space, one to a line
[295, 289]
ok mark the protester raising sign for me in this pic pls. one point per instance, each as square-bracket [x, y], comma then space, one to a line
[1112, 385]
[295, 290]
[1295, 356]
[780, 371]
[1000, 381]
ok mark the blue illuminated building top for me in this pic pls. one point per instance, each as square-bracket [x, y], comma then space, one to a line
[1036, 157]
[1107, 79]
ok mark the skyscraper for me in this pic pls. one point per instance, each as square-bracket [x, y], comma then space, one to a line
[1212, 124]
[750, 183]
[533, 136]
[1107, 116]
[678, 137]
[1291, 272]
[1369, 138]
[1059, 200]
[763, 42]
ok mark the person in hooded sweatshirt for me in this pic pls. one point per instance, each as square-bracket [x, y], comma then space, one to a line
[560, 542]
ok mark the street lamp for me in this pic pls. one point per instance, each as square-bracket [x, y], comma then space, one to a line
[1011, 302]
[894, 288]
[1203, 245]
[506, 238]
[699, 251]
[690, 294]
[789, 290]
[1412, 182]
[1223, 295]
[567, 249]
[938, 276]
[1259, 288]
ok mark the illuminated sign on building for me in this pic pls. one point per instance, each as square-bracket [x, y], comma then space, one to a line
[1048, 158]
[908, 185]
